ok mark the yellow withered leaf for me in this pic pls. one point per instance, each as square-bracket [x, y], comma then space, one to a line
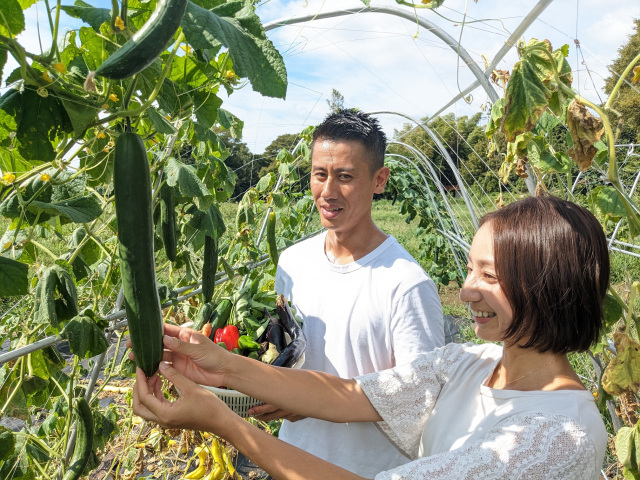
[623, 372]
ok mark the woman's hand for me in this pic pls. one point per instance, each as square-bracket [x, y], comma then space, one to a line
[193, 355]
[187, 411]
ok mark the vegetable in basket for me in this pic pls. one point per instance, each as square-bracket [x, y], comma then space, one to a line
[228, 335]
[292, 353]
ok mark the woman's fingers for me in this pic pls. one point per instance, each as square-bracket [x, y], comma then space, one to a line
[145, 394]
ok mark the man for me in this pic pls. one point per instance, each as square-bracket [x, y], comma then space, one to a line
[366, 304]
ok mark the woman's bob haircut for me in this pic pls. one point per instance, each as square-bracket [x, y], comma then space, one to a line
[552, 262]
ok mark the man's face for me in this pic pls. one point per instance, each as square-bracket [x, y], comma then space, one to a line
[343, 185]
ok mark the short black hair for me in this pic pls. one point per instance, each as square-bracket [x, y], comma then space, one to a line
[352, 124]
[552, 262]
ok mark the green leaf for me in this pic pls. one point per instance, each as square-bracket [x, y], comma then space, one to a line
[540, 156]
[3, 62]
[228, 268]
[230, 122]
[78, 210]
[86, 339]
[39, 121]
[215, 146]
[56, 299]
[526, 99]
[266, 182]
[184, 176]
[67, 185]
[7, 443]
[497, 111]
[161, 124]
[12, 18]
[91, 15]
[7, 125]
[612, 310]
[209, 223]
[558, 98]
[607, 201]
[171, 97]
[93, 45]
[548, 121]
[224, 180]
[206, 105]
[187, 70]
[81, 116]
[17, 467]
[253, 58]
[627, 442]
[18, 407]
[14, 277]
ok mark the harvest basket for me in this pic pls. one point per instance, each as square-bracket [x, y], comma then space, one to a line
[238, 401]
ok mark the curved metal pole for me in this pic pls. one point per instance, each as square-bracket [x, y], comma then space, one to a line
[442, 225]
[407, 15]
[447, 157]
[508, 45]
[436, 181]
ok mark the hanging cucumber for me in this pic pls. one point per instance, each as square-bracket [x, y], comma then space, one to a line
[132, 188]
[271, 238]
[210, 267]
[147, 43]
[168, 221]
[84, 441]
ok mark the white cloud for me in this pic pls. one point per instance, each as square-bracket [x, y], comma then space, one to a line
[377, 64]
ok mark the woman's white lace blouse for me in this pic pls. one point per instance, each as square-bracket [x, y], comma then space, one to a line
[438, 411]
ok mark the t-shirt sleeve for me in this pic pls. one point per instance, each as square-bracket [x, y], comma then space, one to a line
[404, 397]
[417, 324]
[535, 447]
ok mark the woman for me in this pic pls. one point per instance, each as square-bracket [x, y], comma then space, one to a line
[537, 275]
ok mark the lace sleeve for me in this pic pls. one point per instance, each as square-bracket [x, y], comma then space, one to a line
[534, 447]
[404, 396]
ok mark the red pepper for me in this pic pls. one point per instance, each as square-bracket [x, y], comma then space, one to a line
[229, 335]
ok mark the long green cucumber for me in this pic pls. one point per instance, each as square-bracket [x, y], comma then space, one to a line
[221, 314]
[209, 267]
[132, 189]
[168, 222]
[271, 238]
[203, 316]
[84, 441]
[147, 43]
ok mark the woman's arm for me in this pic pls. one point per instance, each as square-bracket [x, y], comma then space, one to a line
[199, 409]
[302, 392]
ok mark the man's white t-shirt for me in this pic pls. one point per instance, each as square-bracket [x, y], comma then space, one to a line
[369, 315]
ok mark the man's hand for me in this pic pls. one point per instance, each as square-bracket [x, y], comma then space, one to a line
[270, 412]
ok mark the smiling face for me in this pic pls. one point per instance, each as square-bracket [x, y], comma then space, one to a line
[491, 310]
[342, 185]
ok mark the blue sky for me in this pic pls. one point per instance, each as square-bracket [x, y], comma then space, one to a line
[382, 62]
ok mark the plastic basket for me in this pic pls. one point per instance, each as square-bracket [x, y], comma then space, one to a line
[238, 401]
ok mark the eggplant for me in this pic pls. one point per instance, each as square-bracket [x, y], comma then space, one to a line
[292, 352]
[274, 333]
